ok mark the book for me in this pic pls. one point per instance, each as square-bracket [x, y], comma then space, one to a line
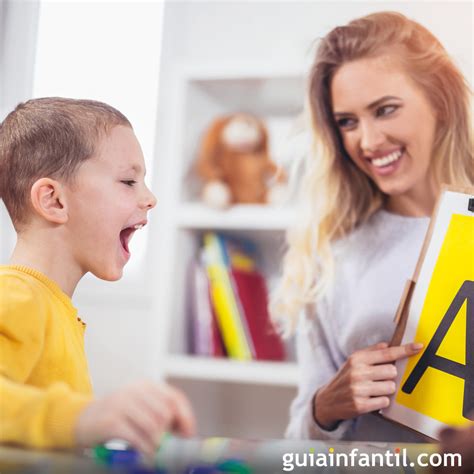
[251, 292]
[205, 338]
[239, 298]
[231, 324]
[435, 388]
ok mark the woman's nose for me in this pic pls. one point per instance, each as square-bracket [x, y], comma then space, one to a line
[371, 137]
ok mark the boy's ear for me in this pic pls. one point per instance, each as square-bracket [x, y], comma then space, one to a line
[48, 200]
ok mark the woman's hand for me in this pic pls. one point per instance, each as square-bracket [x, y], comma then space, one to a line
[363, 384]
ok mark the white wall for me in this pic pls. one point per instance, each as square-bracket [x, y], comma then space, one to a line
[18, 26]
[269, 31]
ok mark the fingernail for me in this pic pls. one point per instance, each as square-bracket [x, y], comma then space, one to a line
[417, 346]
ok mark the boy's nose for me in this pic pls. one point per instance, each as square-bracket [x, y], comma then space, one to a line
[149, 200]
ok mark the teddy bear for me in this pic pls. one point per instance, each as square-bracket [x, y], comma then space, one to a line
[234, 163]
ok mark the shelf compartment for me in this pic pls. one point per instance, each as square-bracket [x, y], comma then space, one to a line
[227, 370]
[246, 217]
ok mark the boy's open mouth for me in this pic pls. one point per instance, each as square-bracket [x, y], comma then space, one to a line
[126, 235]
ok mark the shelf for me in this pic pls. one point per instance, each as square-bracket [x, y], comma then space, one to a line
[283, 374]
[242, 217]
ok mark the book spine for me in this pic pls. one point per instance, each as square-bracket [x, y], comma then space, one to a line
[223, 299]
[201, 312]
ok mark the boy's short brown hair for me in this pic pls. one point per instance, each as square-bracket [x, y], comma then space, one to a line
[48, 137]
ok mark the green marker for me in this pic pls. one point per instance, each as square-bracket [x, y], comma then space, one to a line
[101, 453]
[234, 466]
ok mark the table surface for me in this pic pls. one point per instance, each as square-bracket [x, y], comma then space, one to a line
[177, 454]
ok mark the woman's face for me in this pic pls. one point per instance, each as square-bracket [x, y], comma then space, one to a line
[386, 123]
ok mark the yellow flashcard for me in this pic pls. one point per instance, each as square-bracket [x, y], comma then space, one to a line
[436, 387]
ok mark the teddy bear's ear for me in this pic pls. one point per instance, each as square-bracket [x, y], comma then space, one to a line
[264, 134]
[207, 161]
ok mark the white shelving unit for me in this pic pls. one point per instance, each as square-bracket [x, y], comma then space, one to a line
[203, 92]
[278, 374]
[258, 217]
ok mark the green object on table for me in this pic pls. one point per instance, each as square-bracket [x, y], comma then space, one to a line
[101, 453]
[166, 436]
[233, 466]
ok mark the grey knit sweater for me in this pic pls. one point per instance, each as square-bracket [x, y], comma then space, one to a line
[372, 266]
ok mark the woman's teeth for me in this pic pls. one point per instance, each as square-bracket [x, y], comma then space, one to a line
[387, 160]
[138, 226]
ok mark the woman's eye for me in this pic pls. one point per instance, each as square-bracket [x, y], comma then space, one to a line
[386, 110]
[346, 122]
[129, 182]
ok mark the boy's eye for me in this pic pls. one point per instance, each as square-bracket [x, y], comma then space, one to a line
[129, 182]
[346, 122]
[386, 110]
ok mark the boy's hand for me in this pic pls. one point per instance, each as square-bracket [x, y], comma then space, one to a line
[138, 414]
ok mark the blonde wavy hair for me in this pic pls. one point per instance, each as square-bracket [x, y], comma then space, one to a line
[335, 196]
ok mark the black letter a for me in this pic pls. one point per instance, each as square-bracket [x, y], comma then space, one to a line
[430, 359]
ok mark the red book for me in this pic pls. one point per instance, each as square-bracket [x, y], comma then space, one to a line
[251, 291]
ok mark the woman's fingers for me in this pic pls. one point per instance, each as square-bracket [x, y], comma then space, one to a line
[390, 354]
[375, 404]
[379, 345]
[376, 389]
[364, 383]
[383, 372]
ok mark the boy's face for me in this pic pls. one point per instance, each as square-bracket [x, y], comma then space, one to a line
[107, 201]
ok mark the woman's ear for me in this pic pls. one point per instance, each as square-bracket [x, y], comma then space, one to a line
[49, 201]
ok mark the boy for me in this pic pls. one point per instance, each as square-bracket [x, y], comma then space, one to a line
[72, 179]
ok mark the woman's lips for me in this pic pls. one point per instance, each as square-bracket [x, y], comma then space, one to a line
[386, 164]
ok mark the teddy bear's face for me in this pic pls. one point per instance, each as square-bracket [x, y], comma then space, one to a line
[242, 133]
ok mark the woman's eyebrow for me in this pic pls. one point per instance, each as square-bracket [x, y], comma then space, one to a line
[381, 100]
[341, 114]
[372, 105]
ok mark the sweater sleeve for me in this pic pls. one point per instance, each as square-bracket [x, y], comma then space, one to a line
[316, 368]
[30, 416]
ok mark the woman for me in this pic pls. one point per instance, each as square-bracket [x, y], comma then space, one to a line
[390, 118]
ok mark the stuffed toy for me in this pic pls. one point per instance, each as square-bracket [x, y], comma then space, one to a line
[234, 164]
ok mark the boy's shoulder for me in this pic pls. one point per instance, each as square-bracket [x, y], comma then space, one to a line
[16, 276]
[20, 287]
[23, 303]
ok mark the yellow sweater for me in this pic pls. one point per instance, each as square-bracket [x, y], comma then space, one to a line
[44, 378]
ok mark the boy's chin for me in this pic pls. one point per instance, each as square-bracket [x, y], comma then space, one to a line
[109, 274]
